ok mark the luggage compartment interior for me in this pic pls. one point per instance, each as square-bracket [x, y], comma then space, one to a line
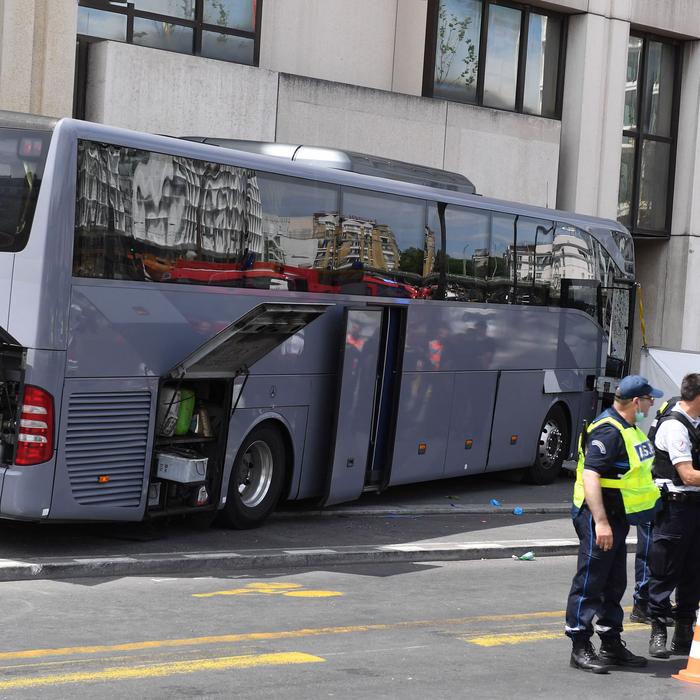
[190, 446]
[11, 378]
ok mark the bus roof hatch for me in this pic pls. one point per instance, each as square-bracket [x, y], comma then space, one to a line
[247, 340]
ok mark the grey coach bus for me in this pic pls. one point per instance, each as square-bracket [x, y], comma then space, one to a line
[187, 327]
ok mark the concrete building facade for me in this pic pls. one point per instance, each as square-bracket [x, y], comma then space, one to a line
[361, 75]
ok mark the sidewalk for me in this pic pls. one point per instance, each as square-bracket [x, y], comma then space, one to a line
[439, 521]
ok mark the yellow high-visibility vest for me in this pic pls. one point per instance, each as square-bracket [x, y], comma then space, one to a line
[639, 492]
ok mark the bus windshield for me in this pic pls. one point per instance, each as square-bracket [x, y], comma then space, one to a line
[22, 158]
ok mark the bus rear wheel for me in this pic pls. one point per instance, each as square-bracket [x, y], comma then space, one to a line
[257, 479]
[551, 448]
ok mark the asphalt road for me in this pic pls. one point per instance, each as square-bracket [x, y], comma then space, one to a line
[485, 629]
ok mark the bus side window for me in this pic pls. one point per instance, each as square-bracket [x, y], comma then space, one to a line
[299, 223]
[501, 260]
[466, 254]
[533, 266]
[383, 237]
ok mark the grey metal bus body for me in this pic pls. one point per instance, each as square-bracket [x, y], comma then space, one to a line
[315, 390]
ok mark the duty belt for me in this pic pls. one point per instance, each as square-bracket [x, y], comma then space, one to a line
[682, 496]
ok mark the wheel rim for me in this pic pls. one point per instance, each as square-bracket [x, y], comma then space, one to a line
[254, 474]
[551, 444]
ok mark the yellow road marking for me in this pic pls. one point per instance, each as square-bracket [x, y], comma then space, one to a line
[494, 640]
[167, 669]
[286, 589]
[312, 594]
[267, 636]
[498, 639]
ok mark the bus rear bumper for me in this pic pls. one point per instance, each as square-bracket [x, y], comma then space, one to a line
[25, 492]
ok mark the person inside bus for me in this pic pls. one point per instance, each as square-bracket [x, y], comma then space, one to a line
[614, 488]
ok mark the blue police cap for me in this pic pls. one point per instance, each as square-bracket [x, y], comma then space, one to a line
[634, 385]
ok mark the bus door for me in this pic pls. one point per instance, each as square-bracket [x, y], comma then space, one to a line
[617, 317]
[366, 399]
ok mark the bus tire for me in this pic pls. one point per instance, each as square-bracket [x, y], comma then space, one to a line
[257, 479]
[551, 448]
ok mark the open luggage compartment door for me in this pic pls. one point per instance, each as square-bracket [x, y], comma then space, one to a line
[356, 405]
[7, 341]
[247, 340]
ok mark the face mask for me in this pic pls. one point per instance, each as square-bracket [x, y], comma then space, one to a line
[639, 417]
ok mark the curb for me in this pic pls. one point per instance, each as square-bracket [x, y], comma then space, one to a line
[450, 509]
[229, 562]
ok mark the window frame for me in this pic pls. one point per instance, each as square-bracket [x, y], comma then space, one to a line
[431, 40]
[640, 136]
[198, 25]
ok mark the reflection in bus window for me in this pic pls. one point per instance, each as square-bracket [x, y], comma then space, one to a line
[466, 258]
[499, 278]
[384, 238]
[533, 265]
[300, 218]
[151, 216]
[574, 258]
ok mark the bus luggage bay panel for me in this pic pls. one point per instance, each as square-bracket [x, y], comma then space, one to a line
[247, 340]
[470, 423]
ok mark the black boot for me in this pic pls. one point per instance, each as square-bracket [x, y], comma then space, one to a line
[583, 656]
[657, 641]
[639, 614]
[614, 651]
[682, 637]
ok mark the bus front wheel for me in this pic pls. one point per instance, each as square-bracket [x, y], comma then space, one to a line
[257, 479]
[551, 448]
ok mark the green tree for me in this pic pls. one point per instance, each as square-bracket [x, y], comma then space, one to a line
[411, 260]
[452, 34]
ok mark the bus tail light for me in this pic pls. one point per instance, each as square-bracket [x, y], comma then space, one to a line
[35, 435]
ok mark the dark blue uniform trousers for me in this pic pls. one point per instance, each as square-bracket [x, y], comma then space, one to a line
[675, 561]
[641, 565]
[600, 580]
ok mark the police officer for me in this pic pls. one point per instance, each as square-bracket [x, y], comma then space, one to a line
[614, 488]
[675, 550]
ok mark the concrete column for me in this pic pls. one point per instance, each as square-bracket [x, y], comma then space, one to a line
[37, 55]
[409, 46]
[592, 118]
[686, 199]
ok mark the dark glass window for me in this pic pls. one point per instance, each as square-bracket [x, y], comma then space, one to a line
[151, 216]
[299, 224]
[495, 54]
[533, 264]
[22, 159]
[649, 136]
[502, 49]
[575, 269]
[382, 246]
[499, 277]
[544, 42]
[101, 24]
[467, 253]
[154, 217]
[228, 30]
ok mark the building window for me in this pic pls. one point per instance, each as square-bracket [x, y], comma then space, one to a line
[228, 30]
[649, 136]
[496, 54]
